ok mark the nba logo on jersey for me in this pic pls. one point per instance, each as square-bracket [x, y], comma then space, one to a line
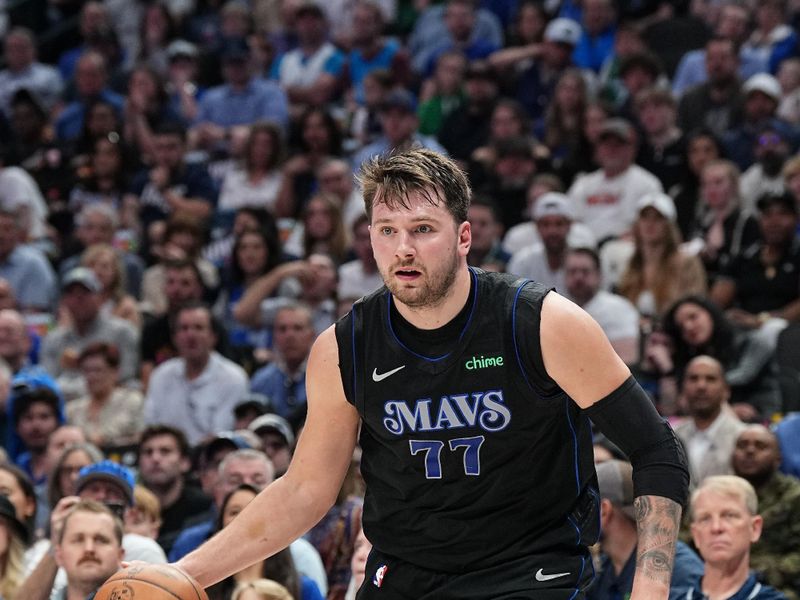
[377, 581]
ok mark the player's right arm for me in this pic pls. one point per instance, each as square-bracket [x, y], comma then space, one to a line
[297, 501]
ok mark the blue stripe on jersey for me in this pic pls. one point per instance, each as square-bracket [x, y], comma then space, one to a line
[580, 576]
[574, 446]
[522, 369]
[461, 335]
[353, 344]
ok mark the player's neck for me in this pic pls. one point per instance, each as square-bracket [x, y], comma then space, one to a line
[433, 317]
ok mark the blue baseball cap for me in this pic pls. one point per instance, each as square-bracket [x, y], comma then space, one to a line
[107, 470]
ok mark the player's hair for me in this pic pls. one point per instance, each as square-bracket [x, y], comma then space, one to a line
[392, 179]
[731, 486]
[92, 506]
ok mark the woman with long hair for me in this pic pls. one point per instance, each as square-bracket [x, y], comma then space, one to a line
[104, 178]
[659, 271]
[257, 180]
[698, 327]
[146, 106]
[64, 476]
[106, 263]
[13, 537]
[562, 125]
[256, 252]
[321, 230]
[18, 488]
[279, 567]
[318, 138]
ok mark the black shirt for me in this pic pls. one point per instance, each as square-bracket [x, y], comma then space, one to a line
[472, 455]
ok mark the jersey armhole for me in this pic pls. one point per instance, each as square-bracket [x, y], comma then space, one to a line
[525, 318]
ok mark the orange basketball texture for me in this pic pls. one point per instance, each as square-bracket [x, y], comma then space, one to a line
[150, 582]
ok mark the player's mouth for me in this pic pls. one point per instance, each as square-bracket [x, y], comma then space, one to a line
[407, 274]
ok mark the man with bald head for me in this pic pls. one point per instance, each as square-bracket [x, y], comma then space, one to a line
[710, 433]
[756, 457]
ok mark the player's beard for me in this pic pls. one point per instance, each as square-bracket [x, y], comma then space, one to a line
[431, 288]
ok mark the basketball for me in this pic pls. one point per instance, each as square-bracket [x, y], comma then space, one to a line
[154, 582]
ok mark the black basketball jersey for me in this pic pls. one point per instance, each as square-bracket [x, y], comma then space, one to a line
[475, 456]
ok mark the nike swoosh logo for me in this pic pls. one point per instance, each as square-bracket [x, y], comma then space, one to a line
[376, 377]
[540, 576]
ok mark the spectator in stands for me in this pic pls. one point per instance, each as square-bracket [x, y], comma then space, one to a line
[242, 99]
[64, 472]
[17, 487]
[257, 180]
[725, 523]
[163, 463]
[606, 199]
[773, 36]
[619, 538]
[24, 267]
[311, 73]
[460, 19]
[399, 123]
[15, 535]
[277, 440]
[91, 79]
[336, 179]
[663, 148]
[182, 79]
[544, 261]
[107, 266]
[370, 50]
[710, 434]
[697, 327]
[37, 411]
[507, 121]
[104, 178]
[360, 276]
[468, 127]
[762, 93]
[717, 103]
[283, 381]
[23, 71]
[81, 297]
[321, 230]
[144, 517]
[659, 271]
[733, 23]
[182, 241]
[561, 128]
[722, 228]
[756, 458]
[89, 548]
[97, 223]
[198, 389]
[701, 147]
[442, 93]
[486, 251]
[29, 131]
[597, 39]
[318, 140]
[171, 185]
[537, 83]
[158, 29]
[93, 22]
[762, 284]
[146, 106]
[789, 77]
[110, 415]
[618, 318]
[771, 150]
[15, 341]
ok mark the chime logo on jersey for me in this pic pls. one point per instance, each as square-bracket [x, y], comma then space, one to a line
[377, 581]
[486, 410]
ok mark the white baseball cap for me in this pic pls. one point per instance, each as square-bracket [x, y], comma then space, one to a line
[661, 202]
[553, 204]
[764, 83]
[564, 31]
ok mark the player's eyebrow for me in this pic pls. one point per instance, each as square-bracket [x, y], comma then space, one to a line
[429, 219]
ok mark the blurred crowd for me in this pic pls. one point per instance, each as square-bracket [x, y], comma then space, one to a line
[180, 217]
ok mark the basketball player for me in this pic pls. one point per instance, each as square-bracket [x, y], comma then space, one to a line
[470, 394]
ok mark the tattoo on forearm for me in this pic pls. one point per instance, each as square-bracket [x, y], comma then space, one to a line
[657, 520]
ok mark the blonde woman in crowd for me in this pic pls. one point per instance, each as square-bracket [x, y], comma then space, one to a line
[12, 550]
[107, 265]
[659, 272]
[261, 589]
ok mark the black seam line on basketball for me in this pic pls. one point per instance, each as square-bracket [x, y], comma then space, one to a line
[191, 583]
[155, 585]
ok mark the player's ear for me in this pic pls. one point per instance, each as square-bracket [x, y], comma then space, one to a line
[464, 238]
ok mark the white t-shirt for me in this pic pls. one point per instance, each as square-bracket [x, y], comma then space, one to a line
[608, 205]
[238, 191]
[354, 282]
[526, 234]
[617, 317]
[531, 262]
